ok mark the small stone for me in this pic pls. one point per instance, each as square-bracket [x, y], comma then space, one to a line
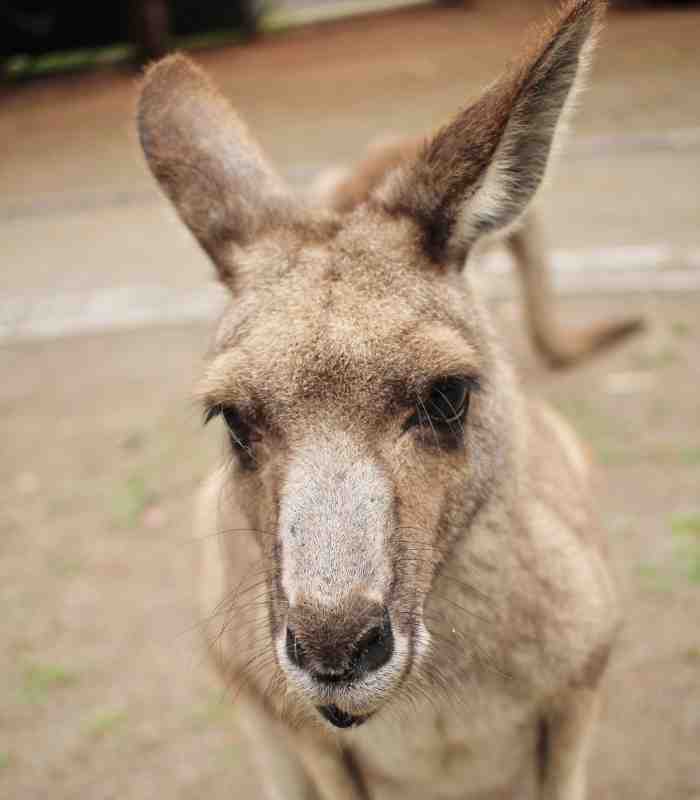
[27, 483]
[621, 383]
[154, 517]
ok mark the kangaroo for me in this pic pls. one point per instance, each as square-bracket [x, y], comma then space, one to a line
[402, 573]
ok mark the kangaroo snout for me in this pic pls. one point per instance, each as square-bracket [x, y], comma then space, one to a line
[336, 640]
[340, 646]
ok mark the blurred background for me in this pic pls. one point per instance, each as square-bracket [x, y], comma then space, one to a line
[107, 306]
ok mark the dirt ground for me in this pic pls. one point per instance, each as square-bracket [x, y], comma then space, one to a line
[105, 692]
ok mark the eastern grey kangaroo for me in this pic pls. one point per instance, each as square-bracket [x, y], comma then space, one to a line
[401, 570]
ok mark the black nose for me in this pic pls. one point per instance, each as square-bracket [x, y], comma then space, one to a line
[334, 653]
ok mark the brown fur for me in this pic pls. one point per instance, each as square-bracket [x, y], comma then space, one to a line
[344, 190]
[347, 501]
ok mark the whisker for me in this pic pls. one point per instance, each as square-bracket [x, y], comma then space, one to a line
[421, 404]
[231, 531]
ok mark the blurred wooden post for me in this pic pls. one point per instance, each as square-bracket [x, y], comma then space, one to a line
[149, 24]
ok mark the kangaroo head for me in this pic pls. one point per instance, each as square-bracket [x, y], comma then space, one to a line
[369, 414]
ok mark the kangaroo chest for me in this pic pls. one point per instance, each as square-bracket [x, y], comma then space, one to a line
[481, 748]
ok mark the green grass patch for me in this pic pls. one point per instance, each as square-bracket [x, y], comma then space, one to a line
[655, 579]
[39, 680]
[105, 723]
[25, 66]
[5, 760]
[693, 654]
[689, 456]
[589, 422]
[131, 500]
[686, 527]
[656, 359]
[693, 567]
[680, 328]
[618, 454]
[212, 712]
[63, 566]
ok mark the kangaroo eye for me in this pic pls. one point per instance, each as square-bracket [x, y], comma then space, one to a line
[447, 401]
[445, 405]
[239, 431]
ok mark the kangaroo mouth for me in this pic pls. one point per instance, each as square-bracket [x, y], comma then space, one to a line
[341, 719]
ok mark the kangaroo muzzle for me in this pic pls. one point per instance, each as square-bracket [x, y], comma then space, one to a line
[339, 643]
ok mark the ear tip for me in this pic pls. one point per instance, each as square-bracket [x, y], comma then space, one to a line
[588, 10]
[175, 70]
[172, 77]
[173, 63]
[575, 22]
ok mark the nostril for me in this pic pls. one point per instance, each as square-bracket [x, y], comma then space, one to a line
[375, 647]
[295, 652]
[330, 650]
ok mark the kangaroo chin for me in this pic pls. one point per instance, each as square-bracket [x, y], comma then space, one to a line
[341, 719]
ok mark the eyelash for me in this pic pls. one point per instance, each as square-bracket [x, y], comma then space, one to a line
[239, 432]
[445, 406]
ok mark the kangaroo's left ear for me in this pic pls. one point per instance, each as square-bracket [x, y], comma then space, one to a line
[206, 162]
[479, 172]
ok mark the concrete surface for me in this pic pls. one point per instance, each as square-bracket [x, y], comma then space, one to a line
[79, 212]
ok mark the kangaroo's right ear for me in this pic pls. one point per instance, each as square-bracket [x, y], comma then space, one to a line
[202, 156]
[479, 172]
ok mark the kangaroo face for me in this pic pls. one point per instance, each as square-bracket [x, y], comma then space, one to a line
[368, 418]
[364, 435]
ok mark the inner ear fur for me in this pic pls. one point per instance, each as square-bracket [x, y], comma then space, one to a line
[480, 171]
[201, 154]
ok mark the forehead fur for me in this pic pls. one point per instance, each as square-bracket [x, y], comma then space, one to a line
[358, 310]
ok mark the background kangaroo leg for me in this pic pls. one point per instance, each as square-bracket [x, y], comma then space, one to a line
[560, 346]
[565, 743]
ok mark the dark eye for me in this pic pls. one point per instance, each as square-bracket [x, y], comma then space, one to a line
[240, 432]
[445, 405]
